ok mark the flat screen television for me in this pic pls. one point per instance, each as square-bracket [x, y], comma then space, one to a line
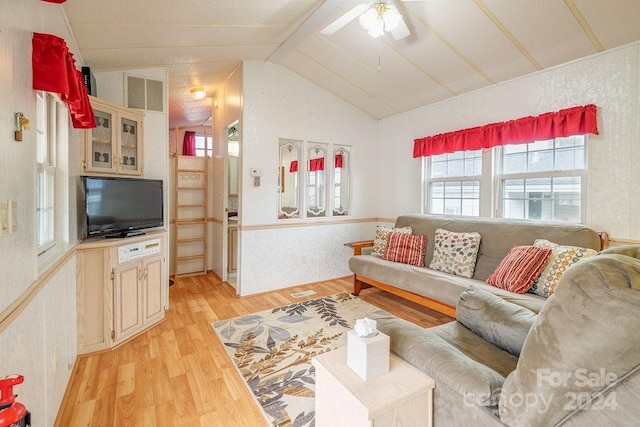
[121, 207]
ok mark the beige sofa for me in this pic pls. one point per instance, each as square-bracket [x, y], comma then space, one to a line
[441, 291]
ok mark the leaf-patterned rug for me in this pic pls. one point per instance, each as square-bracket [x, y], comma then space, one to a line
[272, 350]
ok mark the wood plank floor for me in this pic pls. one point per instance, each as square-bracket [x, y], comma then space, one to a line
[177, 373]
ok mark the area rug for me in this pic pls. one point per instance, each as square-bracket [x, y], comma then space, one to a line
[272, 350]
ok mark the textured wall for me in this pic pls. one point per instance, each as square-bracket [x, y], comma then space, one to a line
[280, 104]
[610, 80]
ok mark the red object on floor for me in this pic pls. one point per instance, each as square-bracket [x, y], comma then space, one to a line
[12, 413]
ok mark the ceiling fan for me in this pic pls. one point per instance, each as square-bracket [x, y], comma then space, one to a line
[376, 17]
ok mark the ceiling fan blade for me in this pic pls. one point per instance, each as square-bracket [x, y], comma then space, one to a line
[345, 19]
[401, 31]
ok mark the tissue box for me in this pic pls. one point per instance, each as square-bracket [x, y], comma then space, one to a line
[368, 357]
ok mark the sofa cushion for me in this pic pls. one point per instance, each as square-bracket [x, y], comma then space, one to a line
[500, 322]
[517, 271]
[434, 284]
[562, 257]
[382, 233]
[583, 342]
[475, 383]
[405, 248]
[455, 253]
[499, 235]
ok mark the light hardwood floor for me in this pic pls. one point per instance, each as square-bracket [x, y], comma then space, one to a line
[177, 373]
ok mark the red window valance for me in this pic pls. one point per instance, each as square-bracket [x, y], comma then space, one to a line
[568, 122]
[55, 1]
[316, 164]
[338, 161]
[54, 70]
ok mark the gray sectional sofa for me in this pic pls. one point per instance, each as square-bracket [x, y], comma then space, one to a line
[575, 363]
[441, 291]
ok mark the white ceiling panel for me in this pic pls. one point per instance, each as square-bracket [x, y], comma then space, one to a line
[473, 33]
[455, 46]
[105, 59]
[550, 33]
[176, 36]
[614, 22]
[334, 83]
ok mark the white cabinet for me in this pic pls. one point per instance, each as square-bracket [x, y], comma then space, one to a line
[122, 288]
[114, 146]
[138, 296]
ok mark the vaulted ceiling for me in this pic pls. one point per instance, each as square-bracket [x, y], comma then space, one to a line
[455, 46]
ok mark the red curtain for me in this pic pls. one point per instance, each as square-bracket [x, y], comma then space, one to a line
[568, 122]
[55, 1]
[189, 144]
[316, 164]
[338, 161]
[293, 167]
[54, 70]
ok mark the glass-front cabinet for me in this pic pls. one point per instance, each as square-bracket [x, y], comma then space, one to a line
[114, 146]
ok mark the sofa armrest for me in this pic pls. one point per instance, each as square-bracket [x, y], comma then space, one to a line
[604, 239]
[357, 246]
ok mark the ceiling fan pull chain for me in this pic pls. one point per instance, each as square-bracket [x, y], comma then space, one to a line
[379, 54]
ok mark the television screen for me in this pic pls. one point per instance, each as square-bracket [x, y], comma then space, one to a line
[119, 206]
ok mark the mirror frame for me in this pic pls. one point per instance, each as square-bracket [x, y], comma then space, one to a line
[284, 183]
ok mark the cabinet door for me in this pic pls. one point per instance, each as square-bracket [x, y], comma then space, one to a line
[155, 288]
[127, 304]
[100, 144]
[130, 149]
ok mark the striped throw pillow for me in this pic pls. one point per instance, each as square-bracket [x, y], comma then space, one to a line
[519, 268]
[405, 248]
[382, 233]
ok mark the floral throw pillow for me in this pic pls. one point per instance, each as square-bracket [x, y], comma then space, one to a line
[562, 257]
[406, 248]
[455, 253]
[519, 268]
[380, 241]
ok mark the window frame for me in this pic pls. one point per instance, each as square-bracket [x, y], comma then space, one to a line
[491, 181]
[428, 181]
[582, 173]
[207, 150]
[46, 131]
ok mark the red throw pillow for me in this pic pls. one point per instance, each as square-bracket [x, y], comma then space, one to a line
[518, 270]
[405, 248]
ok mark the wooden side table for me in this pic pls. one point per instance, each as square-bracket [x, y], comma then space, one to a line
[403, 396]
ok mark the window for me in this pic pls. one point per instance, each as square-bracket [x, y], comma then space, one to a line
[52, 170]
[45, 171]
[454, 183]
[543, 180]
[204, 146]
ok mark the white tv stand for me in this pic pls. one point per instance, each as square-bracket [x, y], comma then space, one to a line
[122, 288]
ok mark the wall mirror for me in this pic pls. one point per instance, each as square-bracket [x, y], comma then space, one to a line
[341, 180]
[289, 179]
[316, 180]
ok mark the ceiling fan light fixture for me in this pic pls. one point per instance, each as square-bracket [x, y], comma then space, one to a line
[198, 93]
[391, 18]
[379, 19]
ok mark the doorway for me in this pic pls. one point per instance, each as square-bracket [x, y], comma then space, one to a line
[232, 208]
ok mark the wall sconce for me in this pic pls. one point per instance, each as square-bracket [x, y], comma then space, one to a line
[198, 93]
[22, 123]
[215, 103]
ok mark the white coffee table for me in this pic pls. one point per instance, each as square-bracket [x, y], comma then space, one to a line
[403, 396]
